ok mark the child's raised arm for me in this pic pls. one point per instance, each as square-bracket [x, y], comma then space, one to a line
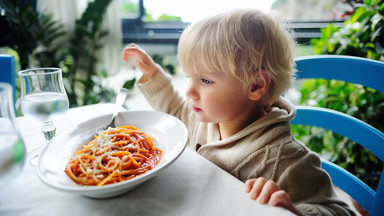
[141, 59]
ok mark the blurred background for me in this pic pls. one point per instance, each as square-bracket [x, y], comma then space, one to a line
[85, 38]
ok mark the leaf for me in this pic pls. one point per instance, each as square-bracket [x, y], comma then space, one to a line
[371, 157]
[359, 14]
[375, 20]
[381, 9]
[377, 33]
[316, 144]
[129, 84]
[343, 165]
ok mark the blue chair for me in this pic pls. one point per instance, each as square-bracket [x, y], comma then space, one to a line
[357, 70]
[7, 70]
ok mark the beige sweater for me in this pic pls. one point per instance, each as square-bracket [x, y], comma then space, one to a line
[266, 148]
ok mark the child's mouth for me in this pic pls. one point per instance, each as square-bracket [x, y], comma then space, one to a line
[196, 109]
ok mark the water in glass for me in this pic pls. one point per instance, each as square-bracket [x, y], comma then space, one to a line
[43, 97]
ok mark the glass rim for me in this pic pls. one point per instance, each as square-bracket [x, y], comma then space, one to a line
[52, 70]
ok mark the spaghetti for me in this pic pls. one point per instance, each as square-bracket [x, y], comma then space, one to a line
[116, 155]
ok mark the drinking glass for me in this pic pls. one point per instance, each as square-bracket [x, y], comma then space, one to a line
[43, 98]
[12, 149]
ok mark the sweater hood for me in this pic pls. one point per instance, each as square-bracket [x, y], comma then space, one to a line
[281, 112]
[271, 129]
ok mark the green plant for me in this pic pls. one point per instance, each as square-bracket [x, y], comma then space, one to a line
[83, 84]
[362, 35]
[38, 40]
[30, 33]
[356, 100]
[148, 17]
[167, 66]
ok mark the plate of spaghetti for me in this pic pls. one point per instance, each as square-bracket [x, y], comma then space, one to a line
[116, 160]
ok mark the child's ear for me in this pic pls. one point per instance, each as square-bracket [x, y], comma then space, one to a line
[259, 86]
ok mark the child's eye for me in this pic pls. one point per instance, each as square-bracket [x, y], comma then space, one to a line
[205, 81]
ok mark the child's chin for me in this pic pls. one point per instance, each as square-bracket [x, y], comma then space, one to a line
[202, 118]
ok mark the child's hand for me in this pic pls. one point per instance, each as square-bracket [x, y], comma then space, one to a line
[141, 59]
[265, 191]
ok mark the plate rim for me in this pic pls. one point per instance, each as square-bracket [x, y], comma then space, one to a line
[89, 189]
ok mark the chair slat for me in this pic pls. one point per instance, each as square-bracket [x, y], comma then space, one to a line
[353, 69]
[369, 73]
[343, 124]
[356, 188]
[7, 71]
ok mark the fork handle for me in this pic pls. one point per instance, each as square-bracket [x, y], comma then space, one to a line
[119, 102]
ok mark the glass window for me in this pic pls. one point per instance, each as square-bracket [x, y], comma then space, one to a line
[313, 10]
[163, 20]
[294, 10]
[191, 11]
[129, 9]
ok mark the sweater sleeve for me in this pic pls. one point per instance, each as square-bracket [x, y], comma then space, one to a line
[296, 170]
[310, 188]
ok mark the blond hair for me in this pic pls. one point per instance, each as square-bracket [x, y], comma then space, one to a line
[242, 42]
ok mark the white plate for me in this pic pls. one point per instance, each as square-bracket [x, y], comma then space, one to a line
[169, 133]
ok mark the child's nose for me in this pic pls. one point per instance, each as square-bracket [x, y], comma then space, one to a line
[192, 91]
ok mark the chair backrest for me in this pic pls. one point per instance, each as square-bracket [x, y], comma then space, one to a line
[7, 70]
[369, 73]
